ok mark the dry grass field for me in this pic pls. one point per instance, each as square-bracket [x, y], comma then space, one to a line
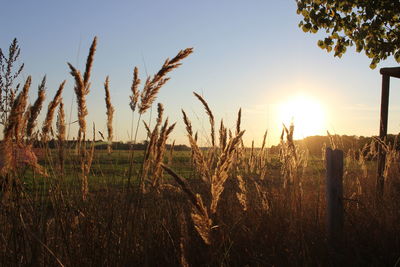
[226, 205]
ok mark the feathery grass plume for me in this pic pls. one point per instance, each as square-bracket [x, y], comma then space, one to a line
[110, 113]
[61, 134]
[82, 88]
[50, 111]
[155, 132]
[223, 135]
[154, 157]
[390, 154]
[12, 128]
[199, 214]
[170, 129]
[331, 140]
[294, 161]
[184, 185]
[160, 111]
[251, 162]
[335, 140]
[149, 94]
[89, 63]
[287, 156]
[198, 158]
[17, 154]
[20, 125]
[169, 65]
[148, 131]
[262, 195]
[81, 93]
[289, 139]
[264, 140]
[187, 123]
[210, 116]
[160, 151]
[135, 91]
[24, 122]
[20, 110]
[239, 120]
[202, 221]
[163, 135]
[61, 122]
[153, 85]
[36, 108]
[262, 160]
[148, 158]
[15, 118]
[220, 175]
[241, 195]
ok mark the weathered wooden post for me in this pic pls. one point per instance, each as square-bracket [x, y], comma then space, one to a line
[383, 124]
[334, 195]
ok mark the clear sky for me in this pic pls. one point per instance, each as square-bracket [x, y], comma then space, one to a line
[247, 54]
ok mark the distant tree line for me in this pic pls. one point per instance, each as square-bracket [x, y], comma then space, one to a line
[314, 144]
[101, 145]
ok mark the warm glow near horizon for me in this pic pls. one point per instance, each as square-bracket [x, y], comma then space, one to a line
[307, 114]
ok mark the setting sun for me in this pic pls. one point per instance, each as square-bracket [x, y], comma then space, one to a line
[306, 113]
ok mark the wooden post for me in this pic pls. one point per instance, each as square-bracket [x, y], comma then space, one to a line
[334, 195]
[380, 180]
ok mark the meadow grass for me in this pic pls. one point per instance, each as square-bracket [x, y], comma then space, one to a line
[226, 205]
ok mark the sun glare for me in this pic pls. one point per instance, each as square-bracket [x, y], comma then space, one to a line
[306, 113]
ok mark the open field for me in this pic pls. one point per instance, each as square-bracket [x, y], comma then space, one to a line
[257, 221]
[221, 205]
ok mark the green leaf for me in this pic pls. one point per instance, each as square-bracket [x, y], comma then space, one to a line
[358, 22]
[397, 56]
[321, 44]
[306, 27]
[314, 29]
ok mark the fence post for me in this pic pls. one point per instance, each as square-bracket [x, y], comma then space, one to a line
[334, 195]
[383, 125]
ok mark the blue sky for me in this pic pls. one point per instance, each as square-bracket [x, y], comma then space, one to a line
[247, 54]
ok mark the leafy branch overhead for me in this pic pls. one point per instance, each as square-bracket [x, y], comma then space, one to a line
[372, 26]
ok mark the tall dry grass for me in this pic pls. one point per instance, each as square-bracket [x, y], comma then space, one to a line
[110, 113]
[228, 205]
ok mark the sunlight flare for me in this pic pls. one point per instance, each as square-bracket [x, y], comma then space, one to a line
[307, 114]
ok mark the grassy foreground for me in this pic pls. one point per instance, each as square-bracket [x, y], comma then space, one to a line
[259, 220]
[226, 205]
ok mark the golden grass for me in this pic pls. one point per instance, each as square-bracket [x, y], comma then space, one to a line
[50, 112]
[153, 84]
[110, 113]
[229, 205]
[34, 110]
[134, 88]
